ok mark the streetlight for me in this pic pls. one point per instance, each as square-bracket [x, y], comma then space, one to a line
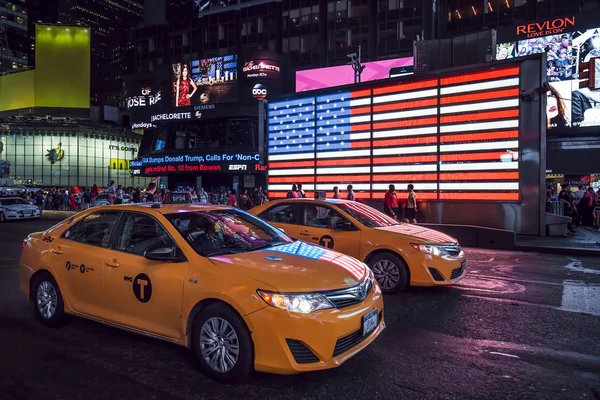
[356, 65]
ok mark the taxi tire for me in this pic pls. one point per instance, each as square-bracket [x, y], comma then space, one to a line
[402, 268]
[244, 366]
[59, 317]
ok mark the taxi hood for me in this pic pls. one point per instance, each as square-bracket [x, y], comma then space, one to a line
[296, 267]
[420, 233]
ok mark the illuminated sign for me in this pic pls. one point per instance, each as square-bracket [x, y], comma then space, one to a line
[260, 69]
[145, 99]
[142, 125]
[171, 116]
[259, 92]
[198, 158]
[237, 167]
[545, 28]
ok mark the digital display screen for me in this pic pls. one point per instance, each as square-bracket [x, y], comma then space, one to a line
[454, 138]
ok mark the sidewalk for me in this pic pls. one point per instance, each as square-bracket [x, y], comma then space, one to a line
[583, 242]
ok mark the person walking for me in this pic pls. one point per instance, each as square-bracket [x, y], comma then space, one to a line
[301, 193]
[336, 192]
[202, 196]
[119, 195]
[244, 200]
[86, 199]
[350, 195]
[232, 200]
[390, 202]
[95, 191]
[259, 197]
[410, 214]
[292, 194]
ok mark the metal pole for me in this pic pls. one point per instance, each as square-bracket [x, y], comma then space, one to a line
[358, 71]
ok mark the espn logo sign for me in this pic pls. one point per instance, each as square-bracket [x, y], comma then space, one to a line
[235, 167]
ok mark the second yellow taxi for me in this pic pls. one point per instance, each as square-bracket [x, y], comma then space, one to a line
[399, 254]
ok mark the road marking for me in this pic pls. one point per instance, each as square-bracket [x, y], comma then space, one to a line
[512, 301]
[514, 279]
[576, 266]
[504, 354]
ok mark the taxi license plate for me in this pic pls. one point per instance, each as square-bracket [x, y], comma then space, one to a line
[369, 322]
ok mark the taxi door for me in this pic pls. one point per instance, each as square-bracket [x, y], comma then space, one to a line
[326, 227]
[77, 260]
[285, 216]
[142, 293]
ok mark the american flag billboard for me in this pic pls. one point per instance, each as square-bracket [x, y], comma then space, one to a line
[453, 138]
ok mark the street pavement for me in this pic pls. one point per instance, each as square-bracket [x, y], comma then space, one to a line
[519, 326]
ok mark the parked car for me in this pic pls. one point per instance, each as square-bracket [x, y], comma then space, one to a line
[12, 208]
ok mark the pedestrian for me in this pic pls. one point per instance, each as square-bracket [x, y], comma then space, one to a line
[410, 214]
[587, 205]
[95, 191]
[567, 200]
[232, 199]
[150, 191]
[301, 192]
[390, 202]
[119, 195]
[259, 197]
[202, 195]
[136, 197]
[72, 201]
[292, 194]
[350, 195]
[336, 192]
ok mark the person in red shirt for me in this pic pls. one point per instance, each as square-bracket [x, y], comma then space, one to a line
[390, 202]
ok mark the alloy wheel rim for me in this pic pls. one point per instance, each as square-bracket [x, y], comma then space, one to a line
[219, 344]
[47, 299]
[386, 273]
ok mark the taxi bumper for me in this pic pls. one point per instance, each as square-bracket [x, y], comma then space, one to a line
[286, 343]
[430, 270]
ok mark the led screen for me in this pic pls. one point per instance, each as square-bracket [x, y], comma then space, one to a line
[454, 138]
[17, 91]
[319, 78]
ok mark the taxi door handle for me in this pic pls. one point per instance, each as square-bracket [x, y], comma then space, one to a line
[57, 250]
[112, 264]
[304, 233]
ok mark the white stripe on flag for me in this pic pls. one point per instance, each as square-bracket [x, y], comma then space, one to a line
[480, 186]
[405, 150]
[291, 157]
[479, 166]
[343, 153]
[360, 118]
[417, 185]
[405, 168]
[343, 170]
[360, 136]
[360, 102]
[405, 96]
[292, 171]
[488, 105]
[513, 123]
[288, 186]
[405, 114]
[500, 83]
[431, 130]
[355, 186]
[509, 145]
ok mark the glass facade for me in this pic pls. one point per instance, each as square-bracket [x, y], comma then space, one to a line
[67, 159]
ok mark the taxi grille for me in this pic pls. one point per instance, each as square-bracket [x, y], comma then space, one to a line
[350, 296]
[301, 353]
[452, 249]
[354, 339]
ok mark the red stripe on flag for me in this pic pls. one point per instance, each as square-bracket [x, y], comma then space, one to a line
[360, 110]
[292, 164]
[480, 116]
[405, 105]
[471, 137]
[480, 76]
[360, 93]
[402, 142]
[405, 123]
[404, 159]
[360, 145]
[291, 179]
[344, 178]
[404, 177]
[479, 176]
[347, 161]
[362, 195]
[360, 127]
[403, 87]
[493, 155]
[496, 94]
[479, 196]
[420, 195]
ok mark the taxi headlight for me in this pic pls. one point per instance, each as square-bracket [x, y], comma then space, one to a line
[430, 249]
[302, 303]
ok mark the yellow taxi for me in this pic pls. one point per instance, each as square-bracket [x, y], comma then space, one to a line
[240, 293]
[399, 254]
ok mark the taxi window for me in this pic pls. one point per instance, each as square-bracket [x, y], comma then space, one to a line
[140, 233]
[322, 217]
[94, 229]
[282, 213]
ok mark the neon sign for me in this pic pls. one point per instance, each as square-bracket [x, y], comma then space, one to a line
[549, 27]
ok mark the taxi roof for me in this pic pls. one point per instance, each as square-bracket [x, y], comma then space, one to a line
[331, 201]
[164, 208]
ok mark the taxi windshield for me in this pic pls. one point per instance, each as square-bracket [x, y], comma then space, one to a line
[217, 232]
[367, 216]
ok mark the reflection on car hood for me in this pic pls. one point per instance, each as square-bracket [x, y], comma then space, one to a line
[297, 267]
[418, 232]
[20, 207]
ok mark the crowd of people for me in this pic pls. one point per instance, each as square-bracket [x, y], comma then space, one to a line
[582, 205]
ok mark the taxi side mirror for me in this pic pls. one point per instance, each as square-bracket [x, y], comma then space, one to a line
[344, 226]
[166, 253]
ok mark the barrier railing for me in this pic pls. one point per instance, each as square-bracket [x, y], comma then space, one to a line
[555, 207]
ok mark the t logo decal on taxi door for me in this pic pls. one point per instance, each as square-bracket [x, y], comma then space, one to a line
[326, 241]
[142, 288]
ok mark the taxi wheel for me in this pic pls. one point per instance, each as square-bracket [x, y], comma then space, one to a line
[390, 272]
[48, 301]
[222, 344]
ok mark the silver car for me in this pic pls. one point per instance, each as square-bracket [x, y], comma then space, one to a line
[17, 208]
[102, 200]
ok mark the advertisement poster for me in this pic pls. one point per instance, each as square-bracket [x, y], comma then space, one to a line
[206, 81]
[569, 43]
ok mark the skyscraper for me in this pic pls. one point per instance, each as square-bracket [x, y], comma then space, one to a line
[110, 22]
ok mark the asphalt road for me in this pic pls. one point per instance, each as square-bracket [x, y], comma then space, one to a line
[519, 326]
